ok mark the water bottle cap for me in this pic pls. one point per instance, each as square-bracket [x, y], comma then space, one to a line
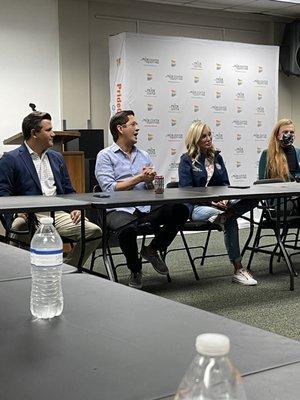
[213, 344]
[46, 220]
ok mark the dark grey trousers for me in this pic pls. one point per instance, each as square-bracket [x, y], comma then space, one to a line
[165, 220]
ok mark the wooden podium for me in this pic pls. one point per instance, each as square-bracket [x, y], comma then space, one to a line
[74, 159]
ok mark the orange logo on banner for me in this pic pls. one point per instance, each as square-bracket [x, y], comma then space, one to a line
[149, 77]
[151, 151]
[119, 97]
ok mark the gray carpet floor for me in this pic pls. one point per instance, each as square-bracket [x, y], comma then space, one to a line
[270, 305]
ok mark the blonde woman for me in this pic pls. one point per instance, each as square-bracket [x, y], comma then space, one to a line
[281, 159]
[202, 165]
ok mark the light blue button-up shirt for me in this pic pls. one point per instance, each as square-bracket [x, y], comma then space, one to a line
[113, 165]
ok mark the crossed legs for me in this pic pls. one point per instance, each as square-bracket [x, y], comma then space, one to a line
[66, 228]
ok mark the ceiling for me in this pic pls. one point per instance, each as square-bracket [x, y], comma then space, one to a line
[266, 7]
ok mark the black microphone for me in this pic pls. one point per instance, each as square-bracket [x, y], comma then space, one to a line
[32, 106]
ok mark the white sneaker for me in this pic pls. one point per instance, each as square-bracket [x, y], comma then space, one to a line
[244, 277]
[218, 219]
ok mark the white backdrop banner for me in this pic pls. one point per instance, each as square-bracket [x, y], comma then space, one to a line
[169, 82]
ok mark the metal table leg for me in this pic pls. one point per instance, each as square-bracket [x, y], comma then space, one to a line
[82, 241]
[106, 260]
[281, 244]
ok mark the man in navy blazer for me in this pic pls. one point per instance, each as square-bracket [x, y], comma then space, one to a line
[35, 169]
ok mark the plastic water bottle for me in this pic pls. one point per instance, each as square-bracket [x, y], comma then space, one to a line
[46, 255]
[211, 375]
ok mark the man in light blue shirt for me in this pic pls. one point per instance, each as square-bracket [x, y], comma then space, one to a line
[122, 166]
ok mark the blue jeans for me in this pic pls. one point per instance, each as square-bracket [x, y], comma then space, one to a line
[231, 231]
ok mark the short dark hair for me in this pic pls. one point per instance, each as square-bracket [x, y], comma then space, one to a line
[33, 121]
[120, 118]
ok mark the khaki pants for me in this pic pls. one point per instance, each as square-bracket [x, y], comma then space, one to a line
[66, 228]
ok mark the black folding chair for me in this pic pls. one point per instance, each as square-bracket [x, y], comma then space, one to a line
[196, 226]
[32, 226]
[278, 217]
[8, 232]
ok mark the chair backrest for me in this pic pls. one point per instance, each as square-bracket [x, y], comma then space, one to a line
[97, 189]
[8, 231]
[264, 181]
[292, 204]
[172, 185]
[4, 225]
[94, 215]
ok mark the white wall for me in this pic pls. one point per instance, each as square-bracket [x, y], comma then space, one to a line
[111, 17]
[30, 41]
[29, 62]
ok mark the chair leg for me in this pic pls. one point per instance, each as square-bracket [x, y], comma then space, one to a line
[272, 258]
[142, 245]
[283, 238]
[163, 255]
[297, 237]
[112, 262]
[254, 246]
[273, 255]
[205, 247]
[251, 231]
[93, 260]
[189, 255]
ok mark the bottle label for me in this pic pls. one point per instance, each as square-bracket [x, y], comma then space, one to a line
[46, 257]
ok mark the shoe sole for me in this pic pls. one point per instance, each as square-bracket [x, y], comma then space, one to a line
[243, 283]
[135, 286]
[157, 270]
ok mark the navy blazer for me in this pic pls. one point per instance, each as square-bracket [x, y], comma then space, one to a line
[195, 174]
[18, 175]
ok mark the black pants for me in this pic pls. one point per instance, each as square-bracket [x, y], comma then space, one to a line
[165, 220]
